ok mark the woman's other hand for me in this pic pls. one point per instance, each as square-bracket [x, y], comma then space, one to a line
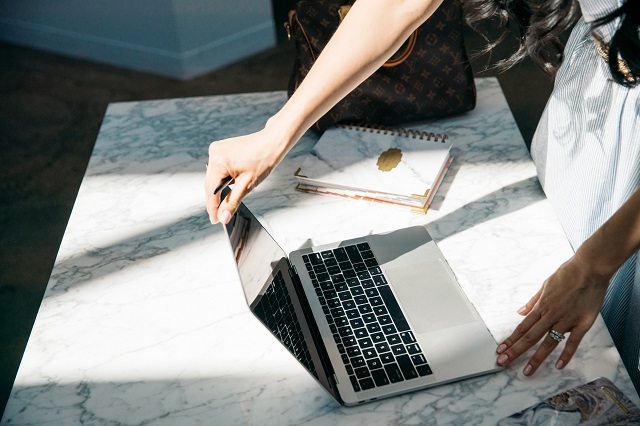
[568, 302]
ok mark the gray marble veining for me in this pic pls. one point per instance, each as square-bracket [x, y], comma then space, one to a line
[144, 321]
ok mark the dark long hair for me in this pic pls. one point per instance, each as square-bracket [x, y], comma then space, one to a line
[540, 24]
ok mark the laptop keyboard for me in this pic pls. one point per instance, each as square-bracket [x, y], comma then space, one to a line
[368, 326]
[276, 311]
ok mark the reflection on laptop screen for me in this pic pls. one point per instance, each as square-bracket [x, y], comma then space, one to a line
[255, 252]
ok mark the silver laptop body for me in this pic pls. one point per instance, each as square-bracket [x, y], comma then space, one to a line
[333, 308]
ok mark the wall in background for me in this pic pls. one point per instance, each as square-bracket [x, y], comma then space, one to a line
[175, 38]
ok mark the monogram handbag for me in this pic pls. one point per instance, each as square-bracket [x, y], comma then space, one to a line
[428, 77]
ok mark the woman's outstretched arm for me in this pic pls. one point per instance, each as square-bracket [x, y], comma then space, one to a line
[370, 34]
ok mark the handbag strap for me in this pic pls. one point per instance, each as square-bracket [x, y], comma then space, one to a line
[342, 12]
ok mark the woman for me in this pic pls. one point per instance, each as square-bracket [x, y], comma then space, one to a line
[586, 150]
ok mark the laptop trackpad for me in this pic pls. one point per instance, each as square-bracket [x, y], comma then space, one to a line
[430, 297]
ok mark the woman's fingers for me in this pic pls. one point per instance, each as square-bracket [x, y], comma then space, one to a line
[549, 342]
[231, 202]
[213, 178]
[527, 333]
[526, 309]
[570, 348]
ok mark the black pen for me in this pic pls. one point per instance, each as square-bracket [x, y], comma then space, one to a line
[222, 184]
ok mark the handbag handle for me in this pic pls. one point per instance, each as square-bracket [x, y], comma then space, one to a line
[342, 12]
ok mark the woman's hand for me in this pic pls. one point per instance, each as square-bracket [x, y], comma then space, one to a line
[568, 302]
[570, 299]
[248, 160]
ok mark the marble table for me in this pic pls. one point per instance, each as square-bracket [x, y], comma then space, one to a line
[144, 321]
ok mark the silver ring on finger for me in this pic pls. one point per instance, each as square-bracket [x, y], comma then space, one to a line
[556, 335]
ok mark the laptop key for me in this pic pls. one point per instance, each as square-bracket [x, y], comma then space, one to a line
[378, 337]
[348, 272]
[366, 254]
[369, 353]
[394, 372]
[363, 246]
[393, 339]
[365, 343]
[315, 258]
[334, 270]
[379, 377]
[360, 333]
[407, 367]
[357, 323]
[379, 310]
[418, 359]
[354, 254]
[360, 299]
[357, 291]
[379, 280]
[367, 283]
[326, 285]
[341, 321]
[367, 383]
[330, 262]
[348, 304]
[327, 254]
[370, 319]
[344, 295]
[341, 287]
[357, 362]
[376, 301]
[371, 262]
[354, 383]
[383, 347]
[337, 312]
[365, 308]
[353, 313]
[407, 337]
[398, 350]
[362, 372]
[375, 270]
[364, 275]
[384, 320]
[359, 267]
[345, 331]
[349, 341]
[341, 254]
[322, 276]
[374, 364]
[424, 370]
[371, 292]
[413, 349]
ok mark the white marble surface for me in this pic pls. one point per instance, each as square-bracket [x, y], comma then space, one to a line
[144, 321]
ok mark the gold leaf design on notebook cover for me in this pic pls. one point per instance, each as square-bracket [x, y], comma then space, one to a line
[389, 159]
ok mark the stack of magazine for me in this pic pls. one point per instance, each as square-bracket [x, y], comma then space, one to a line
[394, 167]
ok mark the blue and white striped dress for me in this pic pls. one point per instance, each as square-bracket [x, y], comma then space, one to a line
[587, 153]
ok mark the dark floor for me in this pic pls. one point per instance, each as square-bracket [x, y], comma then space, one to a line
[51, 108]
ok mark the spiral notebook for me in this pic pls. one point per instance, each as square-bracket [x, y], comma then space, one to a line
[390, 166]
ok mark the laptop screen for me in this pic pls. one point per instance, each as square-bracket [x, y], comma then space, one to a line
[271, 292]
[256, 253]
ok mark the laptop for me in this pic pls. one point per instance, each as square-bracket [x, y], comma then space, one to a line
[369, 317]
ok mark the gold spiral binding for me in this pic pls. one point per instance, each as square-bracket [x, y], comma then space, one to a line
[395, 131]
